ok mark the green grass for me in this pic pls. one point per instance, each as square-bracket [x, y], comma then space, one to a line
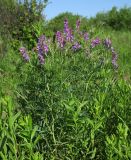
[121, 41]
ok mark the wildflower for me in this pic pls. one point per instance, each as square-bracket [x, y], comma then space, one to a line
[76, 46]
[95, 42]
[45, 48]
[41, 39]
[58, 35]
[24, 53]
[41, 59]
[39, 49]
[42, 48]
[67, 31]
[60, 39]
[69, 35]
[114, 58]
[107, 42]
[78, 25]
[86, 36]
[66, 26]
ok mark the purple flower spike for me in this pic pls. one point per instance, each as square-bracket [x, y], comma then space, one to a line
[114, 58]
[69, 36]
[42, 46]
[24, 53]
[107, 42]
[26, 57]
[76, 46]
[66, 26]
[67, 32]
[78, 24]
[41, 59]
[60, 39]
[45, 48]
[41, 39]
[86, 36]
[58, 35]
[95, 42]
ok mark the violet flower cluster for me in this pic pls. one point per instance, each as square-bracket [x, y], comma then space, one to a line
[66, 26]
[24, 53]
[86, 36]
[76, 46]
[67, 37]
[42, 48]
[107, 43]
[114, 58]
[60, 39]
[95, 42]
[68, 31]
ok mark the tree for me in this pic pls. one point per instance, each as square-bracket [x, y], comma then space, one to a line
[17, 18]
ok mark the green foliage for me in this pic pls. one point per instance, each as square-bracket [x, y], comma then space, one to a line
[79, 109]
[116, 19]
[29, 14]
[75, 106]
[18, 137]
[79, 103]
[18, 19]
[117, 145]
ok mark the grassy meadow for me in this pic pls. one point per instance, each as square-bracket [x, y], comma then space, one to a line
[67, 96]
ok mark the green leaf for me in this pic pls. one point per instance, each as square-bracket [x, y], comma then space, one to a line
[34, 132]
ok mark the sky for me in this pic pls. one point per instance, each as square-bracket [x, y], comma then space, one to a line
[86, 8]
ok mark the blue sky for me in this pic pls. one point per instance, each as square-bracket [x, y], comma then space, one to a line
[86, 8]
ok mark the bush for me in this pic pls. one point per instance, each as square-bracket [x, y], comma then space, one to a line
[18, 19]
[116, 19]
[79, 102]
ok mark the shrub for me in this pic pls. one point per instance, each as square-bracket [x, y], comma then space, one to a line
[118, 19]
[76, 97]
[18, 19]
